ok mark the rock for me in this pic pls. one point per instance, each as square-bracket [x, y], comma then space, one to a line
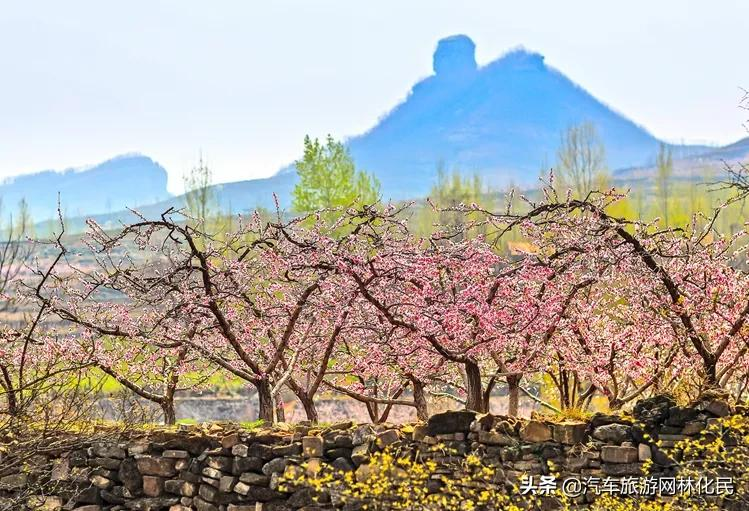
[360, 454]
[249, 464]
[139, 447]
[209, 493]
[212, 473]
[535, 431]
[622, 469]
[576, 463]
[113, 496]
[312, 446]
[153, 486]
[263, 494]
[151, 504]
[230, 441]
[482, 422]
[644, 452]
[242, 507]
[129, 476]
[91, 507]
[420, 431]
[156, 466]
[338, 452]
[569, 433]
[617, 454]
[678, 415]
[601, 419]
[494, 438]
[276, 465]
[654, 410]
[672, 438]
[387, 437]
[342, 464]
[339, 426]
[717, 407]
[363, 473]
[692, 428]
[202, 505]
[108, 463]
[175, 454]
[613, 433]
[221, 463]
[240, 450]
[287, 450]
[13, 482]
[102, 482]
[313, 467]
[363, 434]
[48, 503]
[300, 498]
[450, 422]
[661, 458]
[107, 451]
[241, 488]
[226, 483]
[179, 487]
[254, 479]
[265, 452]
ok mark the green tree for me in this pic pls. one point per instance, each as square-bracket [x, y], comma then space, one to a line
[581, 159]
[663, 186]
[328, 178]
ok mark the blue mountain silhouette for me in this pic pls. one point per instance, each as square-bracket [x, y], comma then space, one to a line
[113, 185]
[503, 121]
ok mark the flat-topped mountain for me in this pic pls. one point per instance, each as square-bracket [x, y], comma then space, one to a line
[503, 120]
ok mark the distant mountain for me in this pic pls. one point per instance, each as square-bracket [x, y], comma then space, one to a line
[705, 166]
[111, 186]
[503, 120]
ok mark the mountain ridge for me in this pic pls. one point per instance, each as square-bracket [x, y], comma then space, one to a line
[502, 120]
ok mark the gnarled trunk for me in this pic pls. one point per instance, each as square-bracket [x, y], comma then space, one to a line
[310, 409]
[474, 397]
[167, 407]
[420, 400]
[265, 401]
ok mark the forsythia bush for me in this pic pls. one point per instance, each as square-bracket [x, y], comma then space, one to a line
[395, 480]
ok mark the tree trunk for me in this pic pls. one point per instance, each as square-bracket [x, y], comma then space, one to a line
[513, 394]
[420, 400]
[10, 392]
[310, 409]
[385, 414]
[474, 398]
[265, 401]
[711, 370]
[170, 416]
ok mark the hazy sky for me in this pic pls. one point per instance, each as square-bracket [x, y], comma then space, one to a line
[244, 81]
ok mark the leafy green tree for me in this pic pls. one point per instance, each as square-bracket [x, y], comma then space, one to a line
[328, 178]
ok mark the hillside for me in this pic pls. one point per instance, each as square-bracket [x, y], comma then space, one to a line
[107, 187]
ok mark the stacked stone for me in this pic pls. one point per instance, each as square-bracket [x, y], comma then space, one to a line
[185, 470]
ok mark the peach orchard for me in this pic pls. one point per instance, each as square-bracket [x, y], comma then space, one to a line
[352, 302]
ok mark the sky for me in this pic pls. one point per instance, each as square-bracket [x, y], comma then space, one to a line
[241, 82]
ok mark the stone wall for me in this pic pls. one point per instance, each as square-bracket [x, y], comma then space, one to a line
[217, 468]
